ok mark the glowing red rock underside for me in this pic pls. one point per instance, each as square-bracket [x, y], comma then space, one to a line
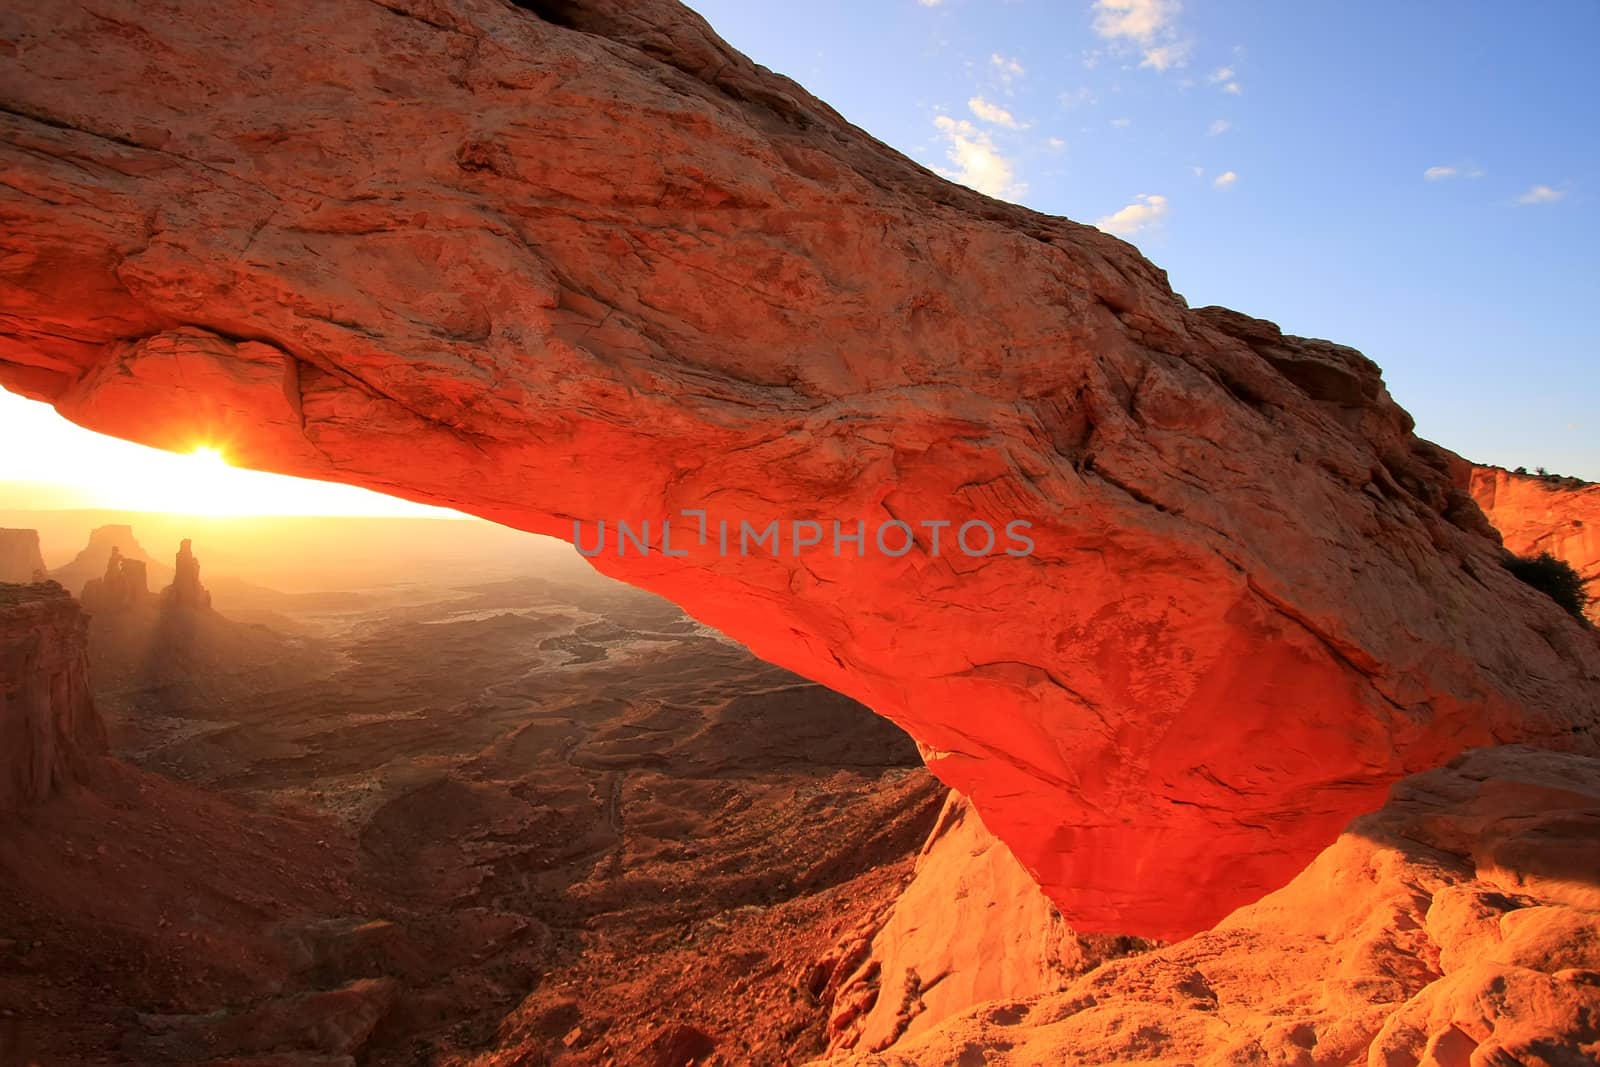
[582, 260]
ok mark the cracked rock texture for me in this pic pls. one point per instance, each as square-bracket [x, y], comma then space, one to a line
[1459, 926]
[581, 260]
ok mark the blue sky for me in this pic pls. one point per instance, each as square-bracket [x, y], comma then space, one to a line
[1417, 180]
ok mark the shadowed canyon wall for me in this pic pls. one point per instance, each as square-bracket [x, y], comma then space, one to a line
[49, 728]
[582, 261]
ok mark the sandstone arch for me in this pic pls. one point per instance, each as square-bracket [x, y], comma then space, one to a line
[582, 260]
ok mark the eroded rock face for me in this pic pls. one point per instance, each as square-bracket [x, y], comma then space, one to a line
[186, 592]
[124, 587]
[1458, 925]
[20, 560]
[1542, 514]
[584, 261]
[48, 725]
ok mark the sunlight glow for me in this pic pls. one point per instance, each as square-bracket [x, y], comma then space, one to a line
[48, 462]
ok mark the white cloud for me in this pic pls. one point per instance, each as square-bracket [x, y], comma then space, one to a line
[1056, 144]
[1121, 123]
[1150, 24]
[1141, 20]
[977, 163]
[1225, 179]
[1441, 173]
[1166, 56]
[1007, 68]
[1541, 194]
[1145, 211]
[994, 114]
[1199, 172]
[930, 3]
[1220, 126]
[1079, 97]
[1223, 76]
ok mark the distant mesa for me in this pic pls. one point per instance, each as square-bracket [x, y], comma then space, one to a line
[20, 560]
[123, 573]
[92, 563]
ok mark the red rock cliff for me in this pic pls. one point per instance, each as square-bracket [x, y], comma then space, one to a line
[581, 260]
[1541, 514]
[48, 724]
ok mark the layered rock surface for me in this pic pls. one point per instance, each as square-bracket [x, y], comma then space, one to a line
[48, 725]
[1537, 514]
[547, 262]
[1458, 925]
[20, 560]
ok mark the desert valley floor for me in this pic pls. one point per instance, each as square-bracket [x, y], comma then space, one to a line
[377, 824]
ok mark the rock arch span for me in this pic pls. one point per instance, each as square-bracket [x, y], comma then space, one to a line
[547, 262]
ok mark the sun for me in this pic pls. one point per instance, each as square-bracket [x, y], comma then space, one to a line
[209, 456]
[42, 454]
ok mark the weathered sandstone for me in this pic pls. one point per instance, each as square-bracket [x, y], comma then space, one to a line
[1458, 925]
[48, 725]
[971, 927]
[582, 261]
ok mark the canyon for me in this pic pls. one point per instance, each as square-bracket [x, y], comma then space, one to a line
[1264, 689]
[586, 262]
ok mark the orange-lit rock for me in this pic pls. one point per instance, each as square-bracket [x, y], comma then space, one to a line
[598, 266]
[49, 728]
[1543, 514]
[20, 560]
[972, 926]
[1459, 925]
